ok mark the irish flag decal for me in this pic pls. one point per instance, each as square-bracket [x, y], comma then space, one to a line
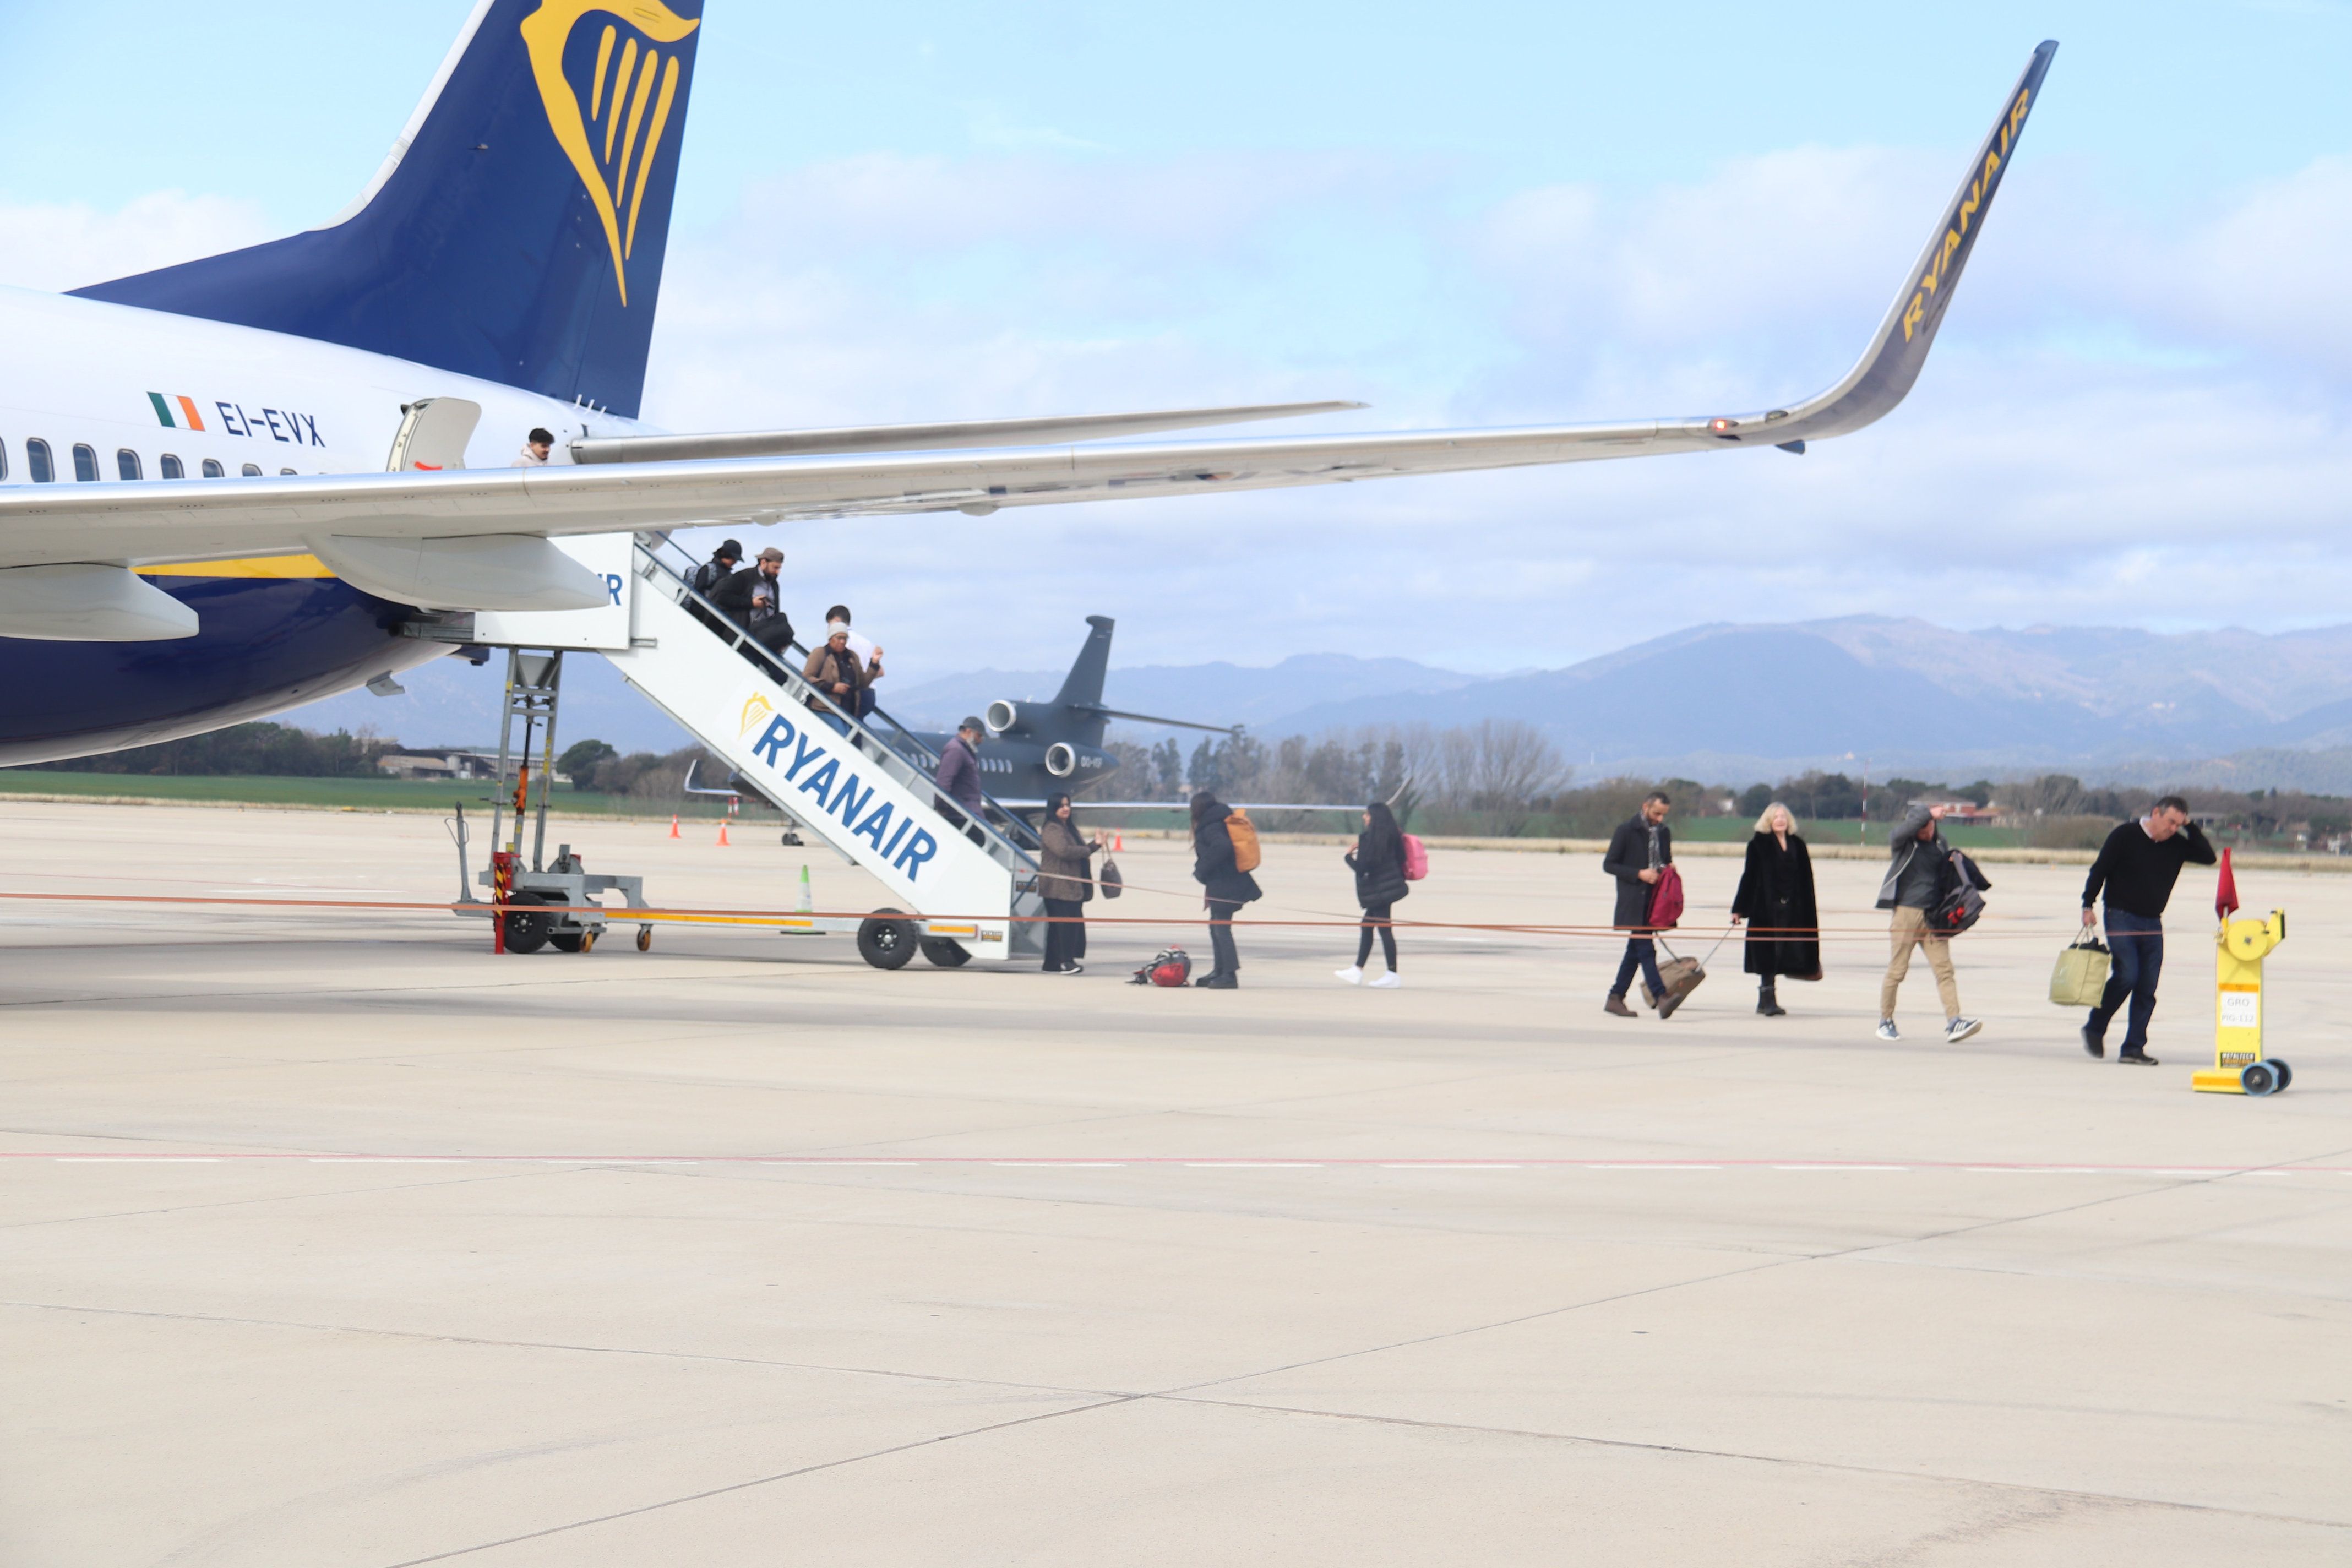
[186, 408]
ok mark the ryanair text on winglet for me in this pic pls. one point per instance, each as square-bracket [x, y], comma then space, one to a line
[1980, 192]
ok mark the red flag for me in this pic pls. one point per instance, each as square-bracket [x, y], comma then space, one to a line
[2225, 892]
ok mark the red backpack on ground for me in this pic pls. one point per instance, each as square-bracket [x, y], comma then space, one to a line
[1174, 966]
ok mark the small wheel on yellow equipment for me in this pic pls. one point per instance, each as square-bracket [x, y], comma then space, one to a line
[645, 938]
[588, 942]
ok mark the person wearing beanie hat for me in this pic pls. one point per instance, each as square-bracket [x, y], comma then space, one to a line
[868, 652]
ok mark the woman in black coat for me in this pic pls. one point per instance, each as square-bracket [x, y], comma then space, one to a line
[1227, 887]
[1378, 860]
[1776, 898]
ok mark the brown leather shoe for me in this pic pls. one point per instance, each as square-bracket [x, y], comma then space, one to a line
[1616, 1006]
[1666, 1008]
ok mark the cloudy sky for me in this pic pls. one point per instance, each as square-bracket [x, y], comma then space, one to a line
[1477, 213]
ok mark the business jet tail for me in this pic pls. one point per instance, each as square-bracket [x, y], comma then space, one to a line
[516, 230]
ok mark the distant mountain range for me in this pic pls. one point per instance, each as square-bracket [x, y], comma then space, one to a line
[1715, 702]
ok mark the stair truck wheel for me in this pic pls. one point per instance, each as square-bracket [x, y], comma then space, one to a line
[2257, 1078]
[527, 931]
[886, 943]
[2287, 1073]
[945, 951]
[645, 938]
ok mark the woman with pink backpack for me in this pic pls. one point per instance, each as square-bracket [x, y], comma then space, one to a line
[1386, 860]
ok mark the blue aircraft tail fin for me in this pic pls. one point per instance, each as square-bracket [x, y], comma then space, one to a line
[518, 229]
[1083, 687]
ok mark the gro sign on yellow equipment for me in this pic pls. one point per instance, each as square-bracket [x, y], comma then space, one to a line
[2239, 1064]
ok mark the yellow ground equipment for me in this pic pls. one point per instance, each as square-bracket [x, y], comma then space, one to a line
[2239, 1064]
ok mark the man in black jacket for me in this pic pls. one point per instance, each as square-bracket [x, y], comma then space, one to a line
[1638, 850]
[1916, 869]
[2138, 866]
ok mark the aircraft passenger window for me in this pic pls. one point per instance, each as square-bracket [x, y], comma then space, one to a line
[85, 464]
[170, 467]
[213, 470]
[37, 461]
[4, 460]
[253, 470]
[283, 472]
[126, 463]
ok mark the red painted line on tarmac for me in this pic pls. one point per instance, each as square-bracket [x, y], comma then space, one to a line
[1236, 1163]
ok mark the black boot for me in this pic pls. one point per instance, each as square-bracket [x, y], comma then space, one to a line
[1766, 1003]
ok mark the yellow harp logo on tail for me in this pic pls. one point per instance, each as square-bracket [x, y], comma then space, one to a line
[612, 141]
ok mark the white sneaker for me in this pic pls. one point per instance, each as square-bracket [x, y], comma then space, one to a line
[1887, 1031]
[1352, 974]
[1959, 1029]
[1388, 981]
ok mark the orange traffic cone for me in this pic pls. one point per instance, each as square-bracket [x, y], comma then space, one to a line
[1119, 843]
[722, 836]
[673, 827]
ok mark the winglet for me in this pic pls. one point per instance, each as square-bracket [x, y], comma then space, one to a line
[1892, 363]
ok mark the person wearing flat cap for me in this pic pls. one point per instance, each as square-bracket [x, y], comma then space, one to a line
[959, 775]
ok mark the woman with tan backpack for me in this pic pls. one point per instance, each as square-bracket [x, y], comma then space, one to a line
[1224, 853]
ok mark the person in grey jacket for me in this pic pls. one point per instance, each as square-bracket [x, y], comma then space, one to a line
[1916, 854]
[958, 777]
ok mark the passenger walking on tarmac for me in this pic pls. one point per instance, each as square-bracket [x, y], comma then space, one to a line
[538, 450]
[1776, 898]
[1638, 851]
[2138, 866]
[1914, 881]
[1378, 861]
[959, 775]
[868, 654]
[1227, 886]
[837, 672]
[1066, 882]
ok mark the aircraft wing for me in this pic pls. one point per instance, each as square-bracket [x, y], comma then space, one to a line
[932, 438]
[451, 523]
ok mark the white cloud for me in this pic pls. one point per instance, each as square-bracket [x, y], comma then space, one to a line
[60, 247]
[2133, 417]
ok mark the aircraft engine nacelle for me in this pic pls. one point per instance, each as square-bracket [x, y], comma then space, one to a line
[1002, 716]
[1061, 758]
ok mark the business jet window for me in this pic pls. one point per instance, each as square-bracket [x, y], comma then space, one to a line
[126, 463]
[85, 464]
[169, 467]
[37, 461]
[4, 460]
[284, 473]
[253, 470]
[213, 470]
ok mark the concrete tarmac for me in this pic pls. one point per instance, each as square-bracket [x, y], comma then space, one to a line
[328, 1238]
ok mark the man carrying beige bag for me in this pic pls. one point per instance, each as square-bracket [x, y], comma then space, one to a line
[2136, 868]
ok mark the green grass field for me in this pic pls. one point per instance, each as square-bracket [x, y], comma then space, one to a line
[331, 794]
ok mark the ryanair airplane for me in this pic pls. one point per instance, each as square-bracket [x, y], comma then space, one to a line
[227, 487]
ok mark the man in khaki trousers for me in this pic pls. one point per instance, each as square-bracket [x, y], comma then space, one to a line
[1914, 874]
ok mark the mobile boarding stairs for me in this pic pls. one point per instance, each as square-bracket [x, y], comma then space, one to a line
[960, 888]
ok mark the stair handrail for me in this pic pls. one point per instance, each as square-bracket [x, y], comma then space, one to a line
[1000, 846]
